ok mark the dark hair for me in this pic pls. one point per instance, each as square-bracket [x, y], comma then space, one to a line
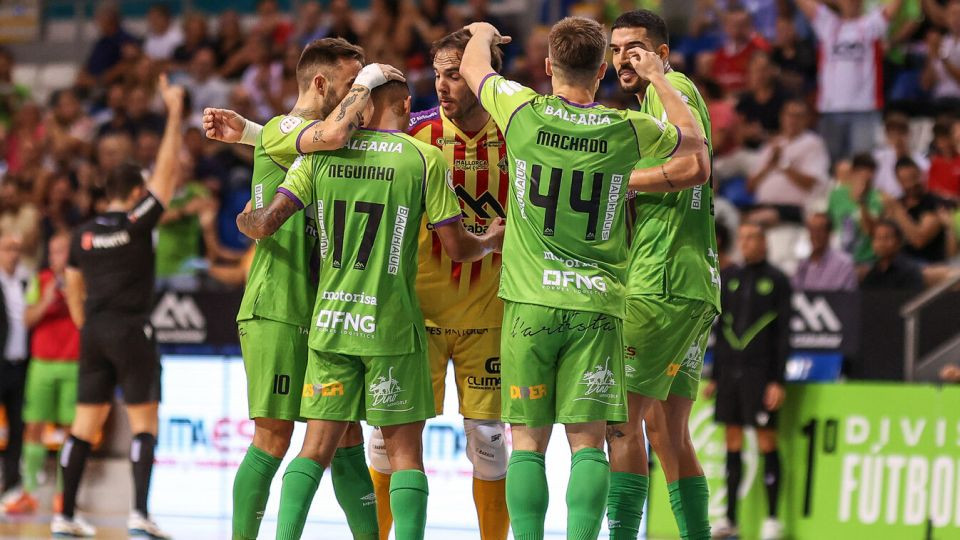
[723, 237]
[324, 52]
[577, 47]
[897, 121]
[890, 224]
[458, 41]
[161, 8]
[390, 94]
[654, 24]
[123, 179]
[941, 128]
[905, 162]
[825, 216]
[864, 161]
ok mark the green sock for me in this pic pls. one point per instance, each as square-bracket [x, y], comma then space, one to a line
[676, 504]
[300, 483]
[527, 494]
[408, 501]
[251, 487]
[587, 493]
[625, 500]
[695, 497]
[34, 455]
[354, 491]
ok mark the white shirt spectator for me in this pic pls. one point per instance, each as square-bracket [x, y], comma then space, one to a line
[946, 86]
[14, 296]
[850, 61]
[213, 92]
[886, 179]
[260, 93]
[161, 46]
[806, 154]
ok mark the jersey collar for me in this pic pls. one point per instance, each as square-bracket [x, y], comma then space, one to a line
[467, 138]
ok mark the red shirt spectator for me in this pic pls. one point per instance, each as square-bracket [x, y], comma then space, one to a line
[55, 337]
[944, 176]
[732, 59]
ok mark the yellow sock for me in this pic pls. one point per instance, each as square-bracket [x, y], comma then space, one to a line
[491, 500]
[381, 487]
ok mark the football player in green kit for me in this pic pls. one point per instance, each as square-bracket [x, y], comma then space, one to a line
[273, 321]
[368, 352]
[672, 298]
[564, 259]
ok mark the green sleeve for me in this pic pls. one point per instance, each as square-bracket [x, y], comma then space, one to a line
[298, 184]
[654, 138]
[282, 137]
[441, 202]
[33, 291]
[502, 97]
[688, 93]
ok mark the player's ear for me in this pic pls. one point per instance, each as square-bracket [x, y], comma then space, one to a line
[320, 83]
[602, 72]
[548, 66]
[663, 51]
[406, 105]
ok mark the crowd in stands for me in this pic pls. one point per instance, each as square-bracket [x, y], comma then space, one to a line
[835, 123]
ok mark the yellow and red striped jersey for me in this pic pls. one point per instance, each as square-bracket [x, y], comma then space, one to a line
[455, 295]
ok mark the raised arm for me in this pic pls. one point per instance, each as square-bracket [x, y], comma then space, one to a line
[476, 62]
[809, 8]
[263, 222]
[649, 66]
[463, 246]
[164, 178]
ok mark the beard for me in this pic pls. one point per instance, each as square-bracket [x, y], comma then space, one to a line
[330, 101]
[635, 87]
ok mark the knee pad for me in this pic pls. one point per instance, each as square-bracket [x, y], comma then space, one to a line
[377, 453]
[486, 448]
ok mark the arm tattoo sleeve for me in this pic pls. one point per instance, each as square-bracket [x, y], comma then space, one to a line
[355, 93]
[265, 221]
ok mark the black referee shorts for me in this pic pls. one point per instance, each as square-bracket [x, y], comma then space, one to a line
[118, 350]
[740, 401]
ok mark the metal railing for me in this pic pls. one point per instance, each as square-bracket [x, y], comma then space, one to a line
[911, 322]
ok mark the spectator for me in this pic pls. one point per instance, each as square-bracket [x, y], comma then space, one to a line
[272, 24]
[759, 107]
[286, 98]
[112, 150]
[147, 146]
[850, 91]
[941, 74]
[112, 109]
[179, 233]
[195, 38]
[791, 168]
[310, 26]
[69, 128]
[232, 46]
[902, 72]
[944, 176]
[342, 21]
[12, 95]
[163, 37]
[950, 219]
[13, 355]
[206, 87]
[108, 49]
[741, 42]
[796, 57]
[897, 129]
[60, 212]
[262, 79]
[916, 215]
[20, 218]
[26, 138]
[139, 116]
[892, 270]
[826, 269]
[854, 205]
[528, 69]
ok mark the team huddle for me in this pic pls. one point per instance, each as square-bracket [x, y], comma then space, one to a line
[490, 231]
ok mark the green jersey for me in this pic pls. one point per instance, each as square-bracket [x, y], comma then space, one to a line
[566, 241]
[674, 250]
[369, 199]
[285, 257]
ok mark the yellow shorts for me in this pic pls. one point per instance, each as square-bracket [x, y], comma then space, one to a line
[476, 367]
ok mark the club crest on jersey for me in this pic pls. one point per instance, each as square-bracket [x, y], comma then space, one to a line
[290, 123]
[442, 141]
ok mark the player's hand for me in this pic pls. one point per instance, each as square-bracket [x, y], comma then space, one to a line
[391, 73]
[710, 389]
[171, 94]
[647, 64]
[495, 233]
[50, 293]
[223, 125]
[489, 31]
[773, 396]
[374, 75]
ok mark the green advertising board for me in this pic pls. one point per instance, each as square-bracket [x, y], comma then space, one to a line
[859, 460]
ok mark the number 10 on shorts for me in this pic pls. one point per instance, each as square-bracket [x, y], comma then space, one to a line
[281, 384]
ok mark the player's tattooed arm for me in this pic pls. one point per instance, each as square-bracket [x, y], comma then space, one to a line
[263, 222]
[334, 132]
[676, 174]
[463, 246]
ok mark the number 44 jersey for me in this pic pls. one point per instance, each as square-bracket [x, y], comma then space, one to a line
[570, 164]
[370, 198]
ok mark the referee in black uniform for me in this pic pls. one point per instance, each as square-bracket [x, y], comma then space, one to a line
[749, 359]
[110, 279]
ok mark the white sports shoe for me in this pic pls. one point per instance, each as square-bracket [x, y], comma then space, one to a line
[140, 525]
[62, 526]
[722, 528]
[772, 529]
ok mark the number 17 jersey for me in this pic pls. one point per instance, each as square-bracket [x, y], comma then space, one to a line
[566, 239]
[370, 197]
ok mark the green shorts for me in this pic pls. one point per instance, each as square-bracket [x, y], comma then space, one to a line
[561, 366]
[383, 390]
[51, 391]
[664, 340]
[274, 358]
